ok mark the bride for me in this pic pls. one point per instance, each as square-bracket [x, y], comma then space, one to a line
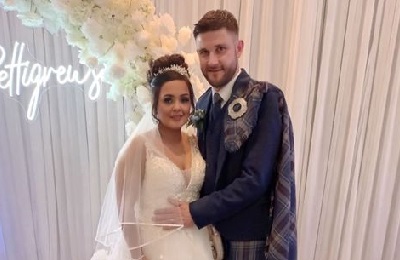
[158, 162]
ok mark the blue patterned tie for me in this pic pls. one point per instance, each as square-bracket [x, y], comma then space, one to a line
[216, 107]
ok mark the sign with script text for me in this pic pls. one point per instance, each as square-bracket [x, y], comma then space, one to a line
[16, 74]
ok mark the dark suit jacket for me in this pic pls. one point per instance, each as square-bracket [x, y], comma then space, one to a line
[236, 198]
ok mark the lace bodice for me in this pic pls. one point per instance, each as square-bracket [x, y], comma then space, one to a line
[163, 179]
[150, 189]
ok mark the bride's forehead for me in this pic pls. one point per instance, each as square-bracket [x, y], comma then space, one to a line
[176, 87]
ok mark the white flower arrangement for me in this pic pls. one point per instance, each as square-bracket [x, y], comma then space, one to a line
[119, 35]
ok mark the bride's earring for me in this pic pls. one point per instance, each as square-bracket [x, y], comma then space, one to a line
[155, 119]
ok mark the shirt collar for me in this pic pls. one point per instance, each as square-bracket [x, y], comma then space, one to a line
[226, 91]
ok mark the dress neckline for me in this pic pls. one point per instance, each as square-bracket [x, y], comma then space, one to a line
[187, 170]
[190, 140]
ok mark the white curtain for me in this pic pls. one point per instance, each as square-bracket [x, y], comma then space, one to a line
[336, 61]
[53, 169]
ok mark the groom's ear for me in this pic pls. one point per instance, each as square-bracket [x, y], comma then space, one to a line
[239, 48]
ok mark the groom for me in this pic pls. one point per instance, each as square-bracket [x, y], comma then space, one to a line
[247, 142]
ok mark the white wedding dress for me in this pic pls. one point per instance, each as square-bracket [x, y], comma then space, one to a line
[163, 179]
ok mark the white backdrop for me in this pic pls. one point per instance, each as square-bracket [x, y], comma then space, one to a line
[336, 61]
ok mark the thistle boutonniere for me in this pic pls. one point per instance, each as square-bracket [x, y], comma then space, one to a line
[196, 119]
[237, 108]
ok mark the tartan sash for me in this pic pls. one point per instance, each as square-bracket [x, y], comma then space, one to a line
[282, 241]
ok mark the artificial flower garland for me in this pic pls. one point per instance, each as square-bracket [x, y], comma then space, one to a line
[121, 36]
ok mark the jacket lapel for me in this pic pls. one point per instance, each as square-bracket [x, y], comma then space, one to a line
[241, 82]
[204, 104]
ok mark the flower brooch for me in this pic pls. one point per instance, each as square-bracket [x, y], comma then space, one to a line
[237, 108]
[197, 119]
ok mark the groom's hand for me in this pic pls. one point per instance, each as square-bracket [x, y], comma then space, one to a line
[178, 214]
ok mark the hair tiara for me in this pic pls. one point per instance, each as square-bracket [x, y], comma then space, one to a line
[174, 67]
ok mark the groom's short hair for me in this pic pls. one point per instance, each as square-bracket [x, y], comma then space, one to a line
[216, 20]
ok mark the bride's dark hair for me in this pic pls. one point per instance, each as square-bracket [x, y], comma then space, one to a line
[168, 68]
